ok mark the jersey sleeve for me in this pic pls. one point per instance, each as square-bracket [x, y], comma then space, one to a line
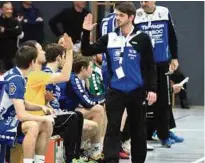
[16, 88]
[36, 79]
[86, 100]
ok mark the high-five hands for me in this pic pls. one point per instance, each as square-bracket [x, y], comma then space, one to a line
[88, 23]
[67, 42]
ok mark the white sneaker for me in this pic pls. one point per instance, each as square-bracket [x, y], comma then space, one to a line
[150, 148]
[154, 136]
[126, 146]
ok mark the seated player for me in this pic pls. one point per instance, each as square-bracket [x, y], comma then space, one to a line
[15, 119]
[75, 96]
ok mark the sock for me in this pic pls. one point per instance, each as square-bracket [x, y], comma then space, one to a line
[102, 141]
[101, 147]
[82, 145]
[39, 159]
[95, 148]
[27, 160]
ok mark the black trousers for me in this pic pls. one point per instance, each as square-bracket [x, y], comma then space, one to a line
[162, 108]
[116, 102]
[126, 131]
[125, 135]
[69, 127]
[172, 123]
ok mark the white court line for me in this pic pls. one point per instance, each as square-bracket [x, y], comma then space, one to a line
[199, 160]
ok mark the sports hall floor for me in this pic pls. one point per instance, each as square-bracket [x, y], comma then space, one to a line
[190, 125]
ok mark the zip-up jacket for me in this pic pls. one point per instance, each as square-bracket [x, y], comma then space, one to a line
[137, 63]
[158, 25]
[73, 94]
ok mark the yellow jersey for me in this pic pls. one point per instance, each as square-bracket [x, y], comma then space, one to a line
[35, 89]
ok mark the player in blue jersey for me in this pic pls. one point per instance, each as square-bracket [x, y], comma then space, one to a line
[55, 54]
[75, 96]
[157, 23]
[14, 118]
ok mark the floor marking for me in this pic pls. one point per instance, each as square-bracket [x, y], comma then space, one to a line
[199, 160]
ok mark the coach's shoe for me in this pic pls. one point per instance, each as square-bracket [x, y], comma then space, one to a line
[167, 143]
[176, 138]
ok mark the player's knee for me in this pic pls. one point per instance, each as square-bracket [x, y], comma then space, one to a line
[47, 126]
[91, 127]
[99, 110]
[34, 128]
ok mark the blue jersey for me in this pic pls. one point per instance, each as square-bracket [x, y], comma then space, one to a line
[105, 72]
[14, 89]
[159, 27]
[73, 94]
[108, 25]
[53, 88]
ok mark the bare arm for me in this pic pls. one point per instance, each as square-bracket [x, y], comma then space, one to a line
[32, 107]
[66, 70]
[23, 115]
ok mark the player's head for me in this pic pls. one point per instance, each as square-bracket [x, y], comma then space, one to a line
[148, 6]
[80, 4]
[55, 53]
[125, 13]
[27, 4]
[41, 59]
[97, 59]
[83, 66]
[26, 57]
[7, 9]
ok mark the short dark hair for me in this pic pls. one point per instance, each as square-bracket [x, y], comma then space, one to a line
[24, 56]
[4, 2]
[127, 8]
[31, 43]
[80, 62]
[53, 51]
[118, 2]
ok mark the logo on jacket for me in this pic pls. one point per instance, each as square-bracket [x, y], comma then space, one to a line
[12, 89]
[132, 51]
[117, 53]
[134, 42]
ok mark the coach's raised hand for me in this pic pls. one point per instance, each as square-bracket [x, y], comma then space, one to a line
[88, 23]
